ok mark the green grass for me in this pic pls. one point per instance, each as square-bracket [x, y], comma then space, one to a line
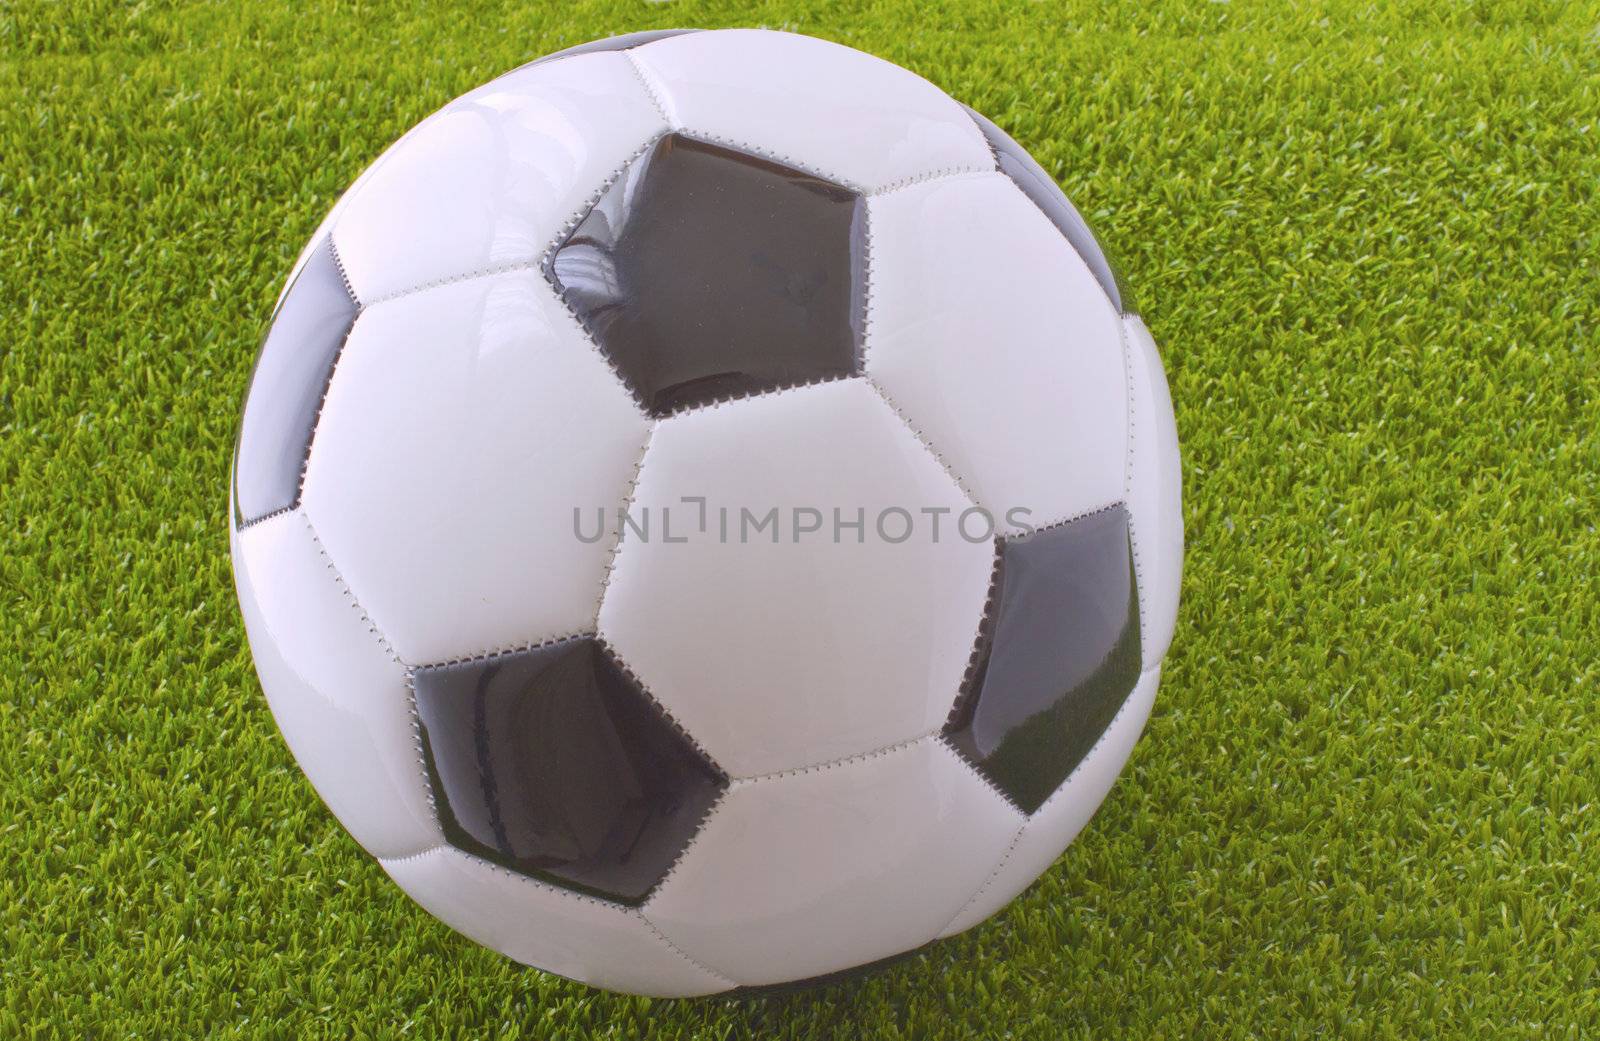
[1366, 236]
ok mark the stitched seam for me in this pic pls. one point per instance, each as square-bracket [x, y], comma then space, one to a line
[1105, 734]
[944, 464]
[546, 265]
[416, 742]
[683, 854]
[344, 276]
[977, 772]
[766, 153]
[984, 886]
[411, 689]
[768, 392]
[972, 117]
[865, 339]
[616, 545]
[822, 767]
[411, 856]
[502, 652]
[981, 641]
[349, 594]
[528, 263]
[714, 974]
[649, 87]
[570, 894]
[666, 717]
[448, 280]
[279, 512]
[942, 174]
[1017, 839]
[1139, 577]
[322, 400]
[1090, 512]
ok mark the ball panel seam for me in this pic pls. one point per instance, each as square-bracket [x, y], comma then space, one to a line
[680, 952]
[1022, 829]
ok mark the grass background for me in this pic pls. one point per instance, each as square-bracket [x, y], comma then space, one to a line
[1366, 237]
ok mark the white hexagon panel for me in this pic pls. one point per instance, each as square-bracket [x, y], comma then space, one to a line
[463, 423]
[774, 634]
[705, 514]
[900, 838]
[989, 330]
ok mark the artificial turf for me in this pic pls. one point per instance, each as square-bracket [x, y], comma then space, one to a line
[1366, 237]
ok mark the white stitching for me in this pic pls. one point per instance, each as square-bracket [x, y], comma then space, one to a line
[944, 464]
[973, 115]
[941, 174]
[667, 717]
[829, 764]
[449, 280]
[1060, 789]
[416, 741]
[386, 861]
[561, 237]
[988, 782]
[679, 951]
[986, 620]
[501, 652]
[707, 137]
[983, 887]
[1139, 577]
[1070, 518]
[529, 263]
[349, 594]
[333, 370]
[688, 847]
[571, 894]
[627, 503]
[411, 689]
[649, 87]
[344, 275]
[279, 512]
[764, 392]
[864, 338]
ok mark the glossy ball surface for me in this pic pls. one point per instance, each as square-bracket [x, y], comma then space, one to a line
[705, 515]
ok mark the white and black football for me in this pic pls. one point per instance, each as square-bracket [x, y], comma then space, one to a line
[705, 514]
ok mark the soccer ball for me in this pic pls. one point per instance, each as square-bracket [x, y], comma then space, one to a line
[705, 515]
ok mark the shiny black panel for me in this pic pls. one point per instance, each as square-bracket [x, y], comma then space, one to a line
[610, 43]
[1060, 655]
[1015, 162]
[705, 273]
[291, 374]
[552, 762]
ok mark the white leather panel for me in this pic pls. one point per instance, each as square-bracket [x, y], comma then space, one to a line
[987, 329]
[336, 691]
[462, 427]
[854, 118]
[1155, 493]
[776, 654]
[491, 179]
[584, 939]
[824, 869]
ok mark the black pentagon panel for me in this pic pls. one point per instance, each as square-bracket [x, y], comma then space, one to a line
[552, 762]
[1025, 171]
[286, 387]
[1057, 658]
[705, 273]
[626, 41]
